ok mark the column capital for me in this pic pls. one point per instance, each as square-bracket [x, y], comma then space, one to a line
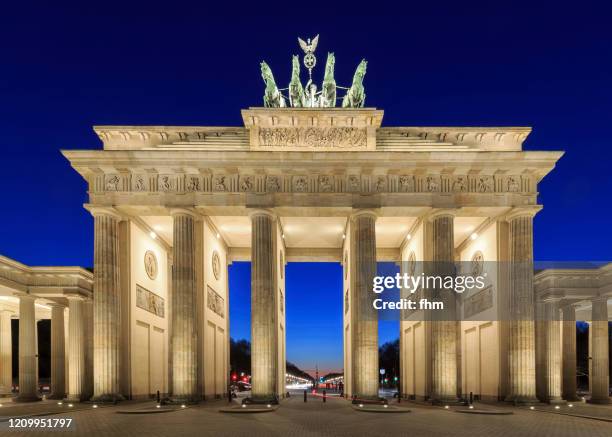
[442, 212]
[523, 211]
[184, 211]
[108, 211]
[364, 212]
[262, 211]
[75, 297]
[25, 296]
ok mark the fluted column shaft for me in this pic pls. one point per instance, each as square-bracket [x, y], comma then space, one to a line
[569, 354]
[264, 362]
[58, 353]
[444, 326]
[522, 379]
[76, 349]
[6, 353]
[600, 373]
[184, 333]
[365, 316]
[28, 378]
[552, 372]
[89, 348]
[106, 307]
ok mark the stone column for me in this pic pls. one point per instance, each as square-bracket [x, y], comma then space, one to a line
[365, 316]
[264, 359]
[58, 353]
[28, 379]
[106, 305]
[89, 375]
[76, 349]
[444, 325]
[184, 314]
[600, 359]
[522, 382]
[6, 353]
[569, 354]
[552, 364]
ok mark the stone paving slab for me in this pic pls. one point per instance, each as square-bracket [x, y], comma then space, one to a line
[295, 418]
[580, 409]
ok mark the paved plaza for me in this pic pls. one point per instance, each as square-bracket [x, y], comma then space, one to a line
[295, 418]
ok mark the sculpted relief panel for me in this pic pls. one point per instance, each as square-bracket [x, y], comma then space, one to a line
[313, 137]
[313, 183]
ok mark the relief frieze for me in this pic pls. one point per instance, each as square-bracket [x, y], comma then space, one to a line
[313, 137]
[314, 183]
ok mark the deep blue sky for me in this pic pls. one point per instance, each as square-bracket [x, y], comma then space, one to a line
[64, 69]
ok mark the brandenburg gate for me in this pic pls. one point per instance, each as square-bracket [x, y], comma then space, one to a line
[303, 180]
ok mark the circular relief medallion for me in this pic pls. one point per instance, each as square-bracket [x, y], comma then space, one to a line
[477, 263]
[150, 264]
[216, 264]
[411, 263]
[281, 266]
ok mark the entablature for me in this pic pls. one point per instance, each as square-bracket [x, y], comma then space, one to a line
[314, 129]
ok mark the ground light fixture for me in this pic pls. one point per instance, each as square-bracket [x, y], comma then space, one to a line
[94, 406]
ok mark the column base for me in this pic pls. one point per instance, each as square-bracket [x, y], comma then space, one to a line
[75, 398]
[54, 396]
[522, 400]
[446, 401]
[108, 398]
[556, 401]
[573, 398]
[27, 398]
[602, 401]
